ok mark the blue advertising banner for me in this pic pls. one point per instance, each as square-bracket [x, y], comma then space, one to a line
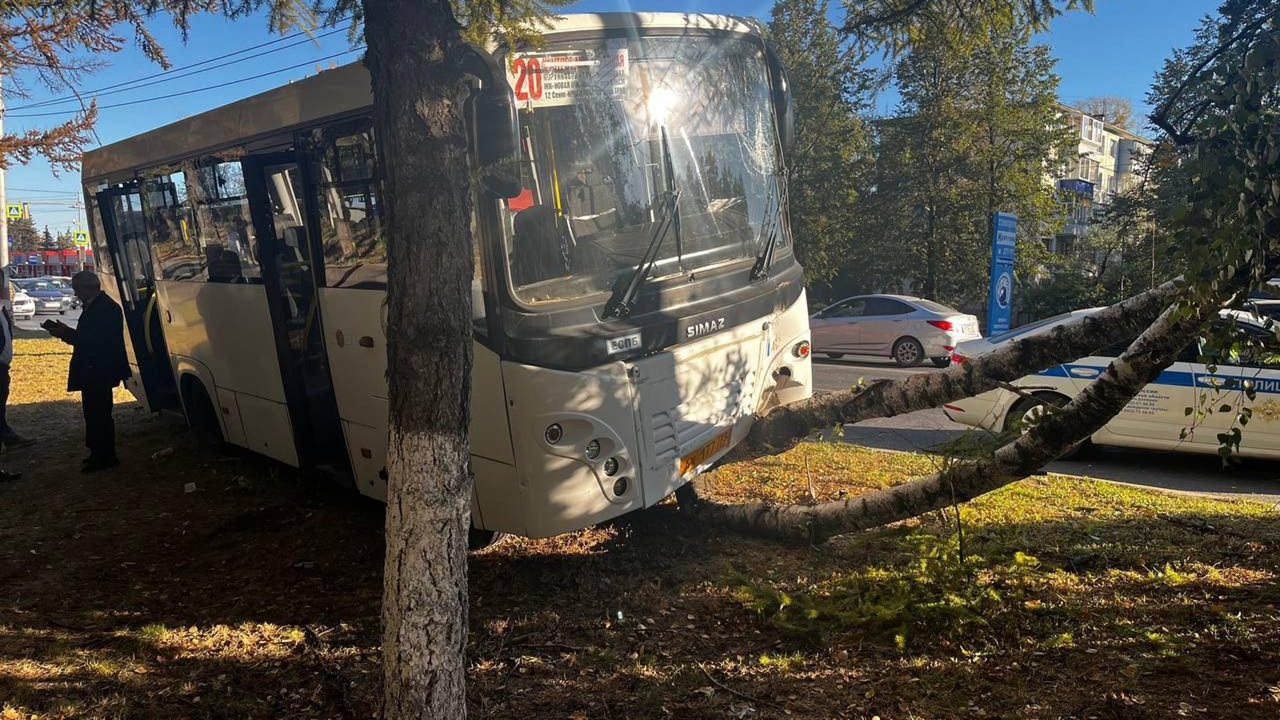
[1000, 295]
[1076, 186]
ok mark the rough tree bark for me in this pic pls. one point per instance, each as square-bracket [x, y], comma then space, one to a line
[784, 427]
[418, 119]
[1153, 351]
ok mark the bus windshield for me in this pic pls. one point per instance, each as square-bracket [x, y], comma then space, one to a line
[612, 131]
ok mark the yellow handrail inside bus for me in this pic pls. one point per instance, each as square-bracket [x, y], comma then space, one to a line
[146, 322]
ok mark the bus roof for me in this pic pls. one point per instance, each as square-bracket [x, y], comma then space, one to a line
[326, 94]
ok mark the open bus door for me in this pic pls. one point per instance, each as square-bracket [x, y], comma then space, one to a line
[274, 185]
[126, 239]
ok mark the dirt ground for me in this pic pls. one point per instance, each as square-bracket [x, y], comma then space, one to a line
[256, 593]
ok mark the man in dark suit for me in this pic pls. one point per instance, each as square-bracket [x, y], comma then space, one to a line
[98, 364]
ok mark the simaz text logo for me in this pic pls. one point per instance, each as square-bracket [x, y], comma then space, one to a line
[704, 328]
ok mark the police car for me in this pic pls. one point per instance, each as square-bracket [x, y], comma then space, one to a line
[1157, 417]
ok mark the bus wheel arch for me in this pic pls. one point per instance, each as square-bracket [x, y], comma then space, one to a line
[201, 413]
[478, 539]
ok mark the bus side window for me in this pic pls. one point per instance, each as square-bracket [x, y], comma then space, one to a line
[175, 243]
[225, 226]
[346, 186]
[101, 254]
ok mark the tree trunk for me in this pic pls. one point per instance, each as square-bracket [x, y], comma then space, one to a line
[1152, 352]
[418, 99]
[933, 248]
[786, 426]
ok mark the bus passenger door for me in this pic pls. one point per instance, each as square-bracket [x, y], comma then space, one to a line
[126, 237]
[289, 275]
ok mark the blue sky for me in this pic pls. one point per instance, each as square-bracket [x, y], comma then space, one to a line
[1114, 51]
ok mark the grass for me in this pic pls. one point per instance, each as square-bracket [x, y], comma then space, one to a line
[258, 596]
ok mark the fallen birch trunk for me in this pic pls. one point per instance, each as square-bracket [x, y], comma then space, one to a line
[784, 427]
[1154, 350]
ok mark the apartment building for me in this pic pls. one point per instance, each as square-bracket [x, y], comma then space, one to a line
[1107, 163]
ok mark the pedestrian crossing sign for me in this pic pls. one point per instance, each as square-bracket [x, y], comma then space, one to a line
[13, 211]
[81, 238]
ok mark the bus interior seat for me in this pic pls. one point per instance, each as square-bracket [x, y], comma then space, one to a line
[223, 265]
[540, 245]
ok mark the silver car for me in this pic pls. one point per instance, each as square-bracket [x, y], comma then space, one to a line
[906, 329]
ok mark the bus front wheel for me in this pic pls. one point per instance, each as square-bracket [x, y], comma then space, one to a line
[478, 539]
[202, 416]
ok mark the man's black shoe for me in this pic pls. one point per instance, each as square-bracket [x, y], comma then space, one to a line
[96, 464]
[6, 475]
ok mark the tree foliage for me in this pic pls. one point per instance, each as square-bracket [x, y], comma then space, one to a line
[896, 25]
[1193, 92]
[975, 129]
[23, 234]
[1116, 259]
[55, 43]
[831, 91]
[1111, 108]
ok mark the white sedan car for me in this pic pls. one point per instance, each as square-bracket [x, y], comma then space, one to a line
[22, 304]
[1157, 418]
[907, 329]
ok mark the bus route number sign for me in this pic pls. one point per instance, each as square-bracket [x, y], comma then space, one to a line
[551, 78]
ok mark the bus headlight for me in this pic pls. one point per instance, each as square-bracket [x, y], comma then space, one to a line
[554, 434]
[593, 449]
[620, 487]
[611, 466]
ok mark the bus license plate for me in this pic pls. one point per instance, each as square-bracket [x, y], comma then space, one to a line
[704, 453]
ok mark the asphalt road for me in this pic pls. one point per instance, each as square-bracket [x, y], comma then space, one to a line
[926, 429]
[70, 318]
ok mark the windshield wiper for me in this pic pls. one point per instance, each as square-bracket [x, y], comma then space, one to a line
[625, 293]
[764, 260]
[671, 187]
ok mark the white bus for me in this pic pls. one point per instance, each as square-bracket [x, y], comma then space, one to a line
[636, 298]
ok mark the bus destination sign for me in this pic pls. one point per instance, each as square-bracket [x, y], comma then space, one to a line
[561, 77]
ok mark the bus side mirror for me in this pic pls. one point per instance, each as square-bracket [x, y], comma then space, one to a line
[497, 139]
[782, 105]
[491, 110]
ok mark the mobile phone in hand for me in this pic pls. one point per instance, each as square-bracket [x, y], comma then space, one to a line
[49, 325]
